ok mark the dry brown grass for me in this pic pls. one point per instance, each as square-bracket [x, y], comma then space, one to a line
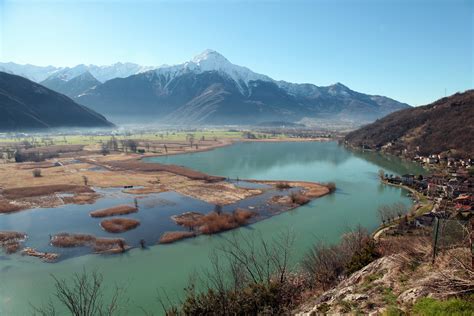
[55, 149]
[7, 236]
[188, 219]
[213, 222]
[44, 164]
[145, 190]
[82, 198]
[108, 245]
[46, 256]
[7, 207]
[10, 241]
[23, 192]
[137, 165]
[119, 225]
[112, 211]
[99, 245]
[170, 237]
[12, 247]
[65, 240]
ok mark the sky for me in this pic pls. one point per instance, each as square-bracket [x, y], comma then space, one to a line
[414, 51]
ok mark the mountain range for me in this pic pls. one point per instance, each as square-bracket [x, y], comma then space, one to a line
[208, 89]
[444, 125]
[25, 104]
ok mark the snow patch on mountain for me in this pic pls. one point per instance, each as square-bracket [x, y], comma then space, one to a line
[210, 60]
[101, 73]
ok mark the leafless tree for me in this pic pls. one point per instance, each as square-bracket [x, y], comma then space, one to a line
[388, 213]
[325, 264]
[242, 263]
[84, 296]
[191, 139]
[381, 174]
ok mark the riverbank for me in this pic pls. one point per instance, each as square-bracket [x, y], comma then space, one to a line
[420, 207]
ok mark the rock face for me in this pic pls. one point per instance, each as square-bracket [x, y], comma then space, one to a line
[360, 289]
[447, 124]
[395, 281]
[28, 105]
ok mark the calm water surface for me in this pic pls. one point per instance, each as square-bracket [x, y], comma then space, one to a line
[25, 280]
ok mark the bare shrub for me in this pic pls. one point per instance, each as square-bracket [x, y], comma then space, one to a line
[36, 173]
[213, 223]
[249, 276]
[83, 295]
[331, 186]
[282, 185]
[299, 198]
[326, 264]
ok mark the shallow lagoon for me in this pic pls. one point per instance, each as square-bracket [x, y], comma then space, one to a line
[359, 193]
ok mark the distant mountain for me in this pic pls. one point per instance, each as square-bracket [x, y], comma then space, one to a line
[28, 105]
[73, 87]
[209, 89]
[101, 73]
[205, 90]
[35, 73]
[445, 125]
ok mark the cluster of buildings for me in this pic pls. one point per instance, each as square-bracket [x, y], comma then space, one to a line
[452, 189]
[445, 161]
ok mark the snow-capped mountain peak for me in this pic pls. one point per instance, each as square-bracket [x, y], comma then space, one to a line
[210, 60]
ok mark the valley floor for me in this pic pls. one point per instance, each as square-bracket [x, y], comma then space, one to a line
[72, 177]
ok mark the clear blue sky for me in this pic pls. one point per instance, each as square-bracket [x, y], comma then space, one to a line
[410, 50]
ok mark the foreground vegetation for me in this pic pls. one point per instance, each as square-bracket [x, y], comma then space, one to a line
[250, 276]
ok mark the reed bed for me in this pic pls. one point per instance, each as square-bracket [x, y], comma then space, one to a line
[214, 222]
[113, 211]
[10, 241]
[99, 245]
[119, 225]
[24, 192]
[7, 207]
[170, 237]
[65, 240]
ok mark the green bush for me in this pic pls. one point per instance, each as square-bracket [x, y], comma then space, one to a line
[454, 306]
[393, 311]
